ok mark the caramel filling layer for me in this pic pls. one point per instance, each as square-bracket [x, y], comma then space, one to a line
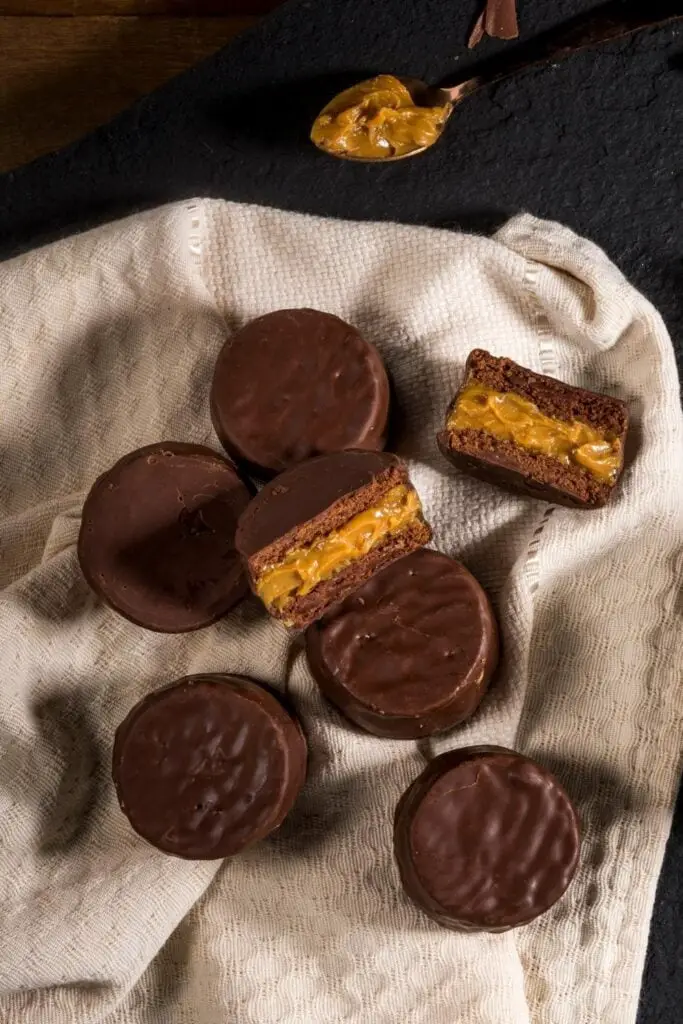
[513, 418]
[375, 120]
[303, 568]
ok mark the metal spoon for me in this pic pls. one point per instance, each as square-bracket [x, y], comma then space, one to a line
[610, 21]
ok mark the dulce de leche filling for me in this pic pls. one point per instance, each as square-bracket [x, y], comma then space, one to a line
[377, 119]
[303, 568]
[510, 417]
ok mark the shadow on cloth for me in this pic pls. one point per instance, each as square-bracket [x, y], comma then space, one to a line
[61, 773]
[165, 977]
[68, 432]
[340, 808]
[69, 737]
[56, 591]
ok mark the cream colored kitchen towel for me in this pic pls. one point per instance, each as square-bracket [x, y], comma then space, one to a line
[107, 342]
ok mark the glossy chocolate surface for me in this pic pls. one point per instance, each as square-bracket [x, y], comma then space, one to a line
[208, 765]
[411, 652]
[304, 492]
[485, 839]
[296, 383]
[504, 470]
[157, 538]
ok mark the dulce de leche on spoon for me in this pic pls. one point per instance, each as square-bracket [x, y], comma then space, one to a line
[378, 120]
[389, 118]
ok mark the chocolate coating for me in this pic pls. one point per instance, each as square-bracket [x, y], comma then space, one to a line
[157, 537]
[208, 765]
[304, 492]
[411, 652]
[297, 383]
[504, 471]
[485, 839]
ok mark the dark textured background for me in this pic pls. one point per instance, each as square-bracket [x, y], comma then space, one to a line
[596, 142]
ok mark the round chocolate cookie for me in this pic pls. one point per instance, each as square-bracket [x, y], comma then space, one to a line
[411, 652]
[485, 839]
[157, 537]
[208, 765]
[297, 383]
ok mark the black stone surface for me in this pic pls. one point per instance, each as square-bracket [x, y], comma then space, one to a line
[596, 142]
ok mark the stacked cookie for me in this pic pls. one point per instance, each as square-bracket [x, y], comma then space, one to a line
[402, 639]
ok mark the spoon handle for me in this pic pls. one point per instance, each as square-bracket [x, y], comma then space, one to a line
[609, 21]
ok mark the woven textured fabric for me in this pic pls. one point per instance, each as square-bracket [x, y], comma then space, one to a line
[108, 340]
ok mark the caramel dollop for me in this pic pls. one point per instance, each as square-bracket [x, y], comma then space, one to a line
[377, 120]
[511, 417]
[303, 568]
